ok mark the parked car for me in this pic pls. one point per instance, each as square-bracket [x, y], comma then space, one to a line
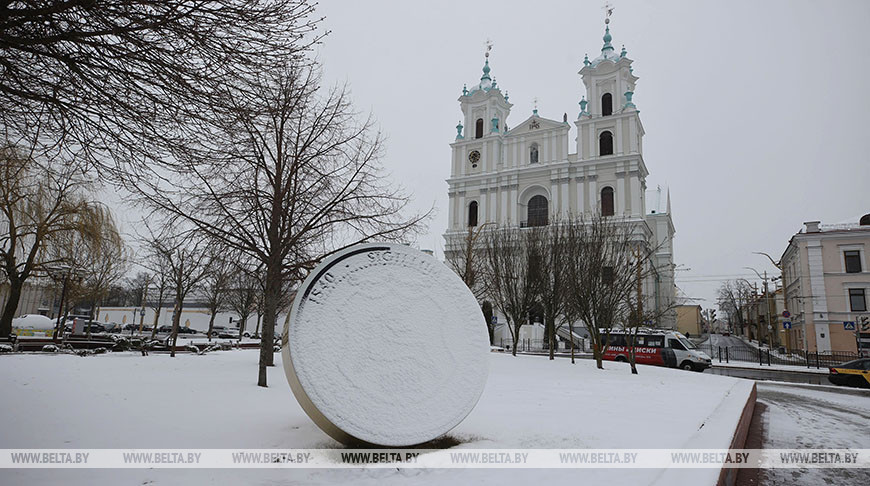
[228, 333]
[113, 327]
[217, 330]
[164, 329]
[94, 327]
[187, 330]
[854, 373]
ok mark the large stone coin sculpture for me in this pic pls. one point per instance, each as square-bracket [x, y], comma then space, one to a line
[386, 346]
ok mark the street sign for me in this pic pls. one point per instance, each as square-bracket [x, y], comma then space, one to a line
[786, 324]
[494, 319]
[786, 314]
[849, 325]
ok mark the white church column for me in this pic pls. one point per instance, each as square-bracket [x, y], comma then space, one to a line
[483, 207]
[635, 196]
[593, 195]
[620, 193]
[581, 203]
[503, 210]
[513, 203]
[563, 190]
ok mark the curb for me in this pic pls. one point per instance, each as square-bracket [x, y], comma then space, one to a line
[775, 370]
[727, 475]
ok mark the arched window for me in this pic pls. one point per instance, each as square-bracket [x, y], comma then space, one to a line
[606, 105]
[605, 143]
[607, 201]
[472, 214]
[478, 128]
[533, 154]
[538, 207]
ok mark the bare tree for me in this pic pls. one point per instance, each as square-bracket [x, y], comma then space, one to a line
[137, 290]
[244, 293]
[185, 256]
[108, 75]
[284, 173]
[509, 271]
[635, 315]
[216, 285]
[161, 286]
[469, 263]
[549, 250]
[734, 297]
[602, 272]
[42, 202]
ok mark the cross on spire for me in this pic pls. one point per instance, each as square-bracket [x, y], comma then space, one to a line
[608, 11]
[488, 45]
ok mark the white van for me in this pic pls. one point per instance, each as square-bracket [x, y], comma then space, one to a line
[660, 347]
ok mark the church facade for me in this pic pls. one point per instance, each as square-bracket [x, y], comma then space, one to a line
[540, 170]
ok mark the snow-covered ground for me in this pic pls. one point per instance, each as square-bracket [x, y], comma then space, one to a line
[211, 401]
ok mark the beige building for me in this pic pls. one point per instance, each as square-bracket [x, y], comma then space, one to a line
[689, 320]
[827, 282]
[35, 298]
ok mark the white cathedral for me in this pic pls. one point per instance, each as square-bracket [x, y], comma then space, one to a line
[527, 175]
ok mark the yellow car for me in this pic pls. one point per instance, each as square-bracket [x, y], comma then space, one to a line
[854, 373]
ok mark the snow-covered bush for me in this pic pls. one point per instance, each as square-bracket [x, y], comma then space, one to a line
[212, 347]
[193, 349]
[277, 348]
[49, 348]
[100, 351]
[84, 352]
[5, 348]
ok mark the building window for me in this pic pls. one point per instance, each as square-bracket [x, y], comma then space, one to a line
[857, 300]
[607, 201]
[533, 154]
[472, 214]
[606, 104]
[478, 128]
[605, 143]
[853, 261]
[538, 208]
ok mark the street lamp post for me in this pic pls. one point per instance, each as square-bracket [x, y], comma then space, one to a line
[66, 272]
[766, 304]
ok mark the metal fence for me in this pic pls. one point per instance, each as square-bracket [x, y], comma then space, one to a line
[764, 357]
[539, 345]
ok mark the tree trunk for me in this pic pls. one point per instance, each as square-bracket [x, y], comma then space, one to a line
[211, 323]
[486, 307]
[551, 332]
[516, 337]
[176, 319]
[259, 319]
[243, 322]
[156, 320]
[270, 306]
[571, 339]
[11, 306]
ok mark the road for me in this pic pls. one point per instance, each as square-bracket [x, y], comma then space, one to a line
[807, 417]
[718, 340]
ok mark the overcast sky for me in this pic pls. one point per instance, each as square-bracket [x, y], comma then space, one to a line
[755, 112]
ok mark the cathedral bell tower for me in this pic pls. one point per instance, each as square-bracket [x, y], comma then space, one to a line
[479, 135]
[608, 126]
